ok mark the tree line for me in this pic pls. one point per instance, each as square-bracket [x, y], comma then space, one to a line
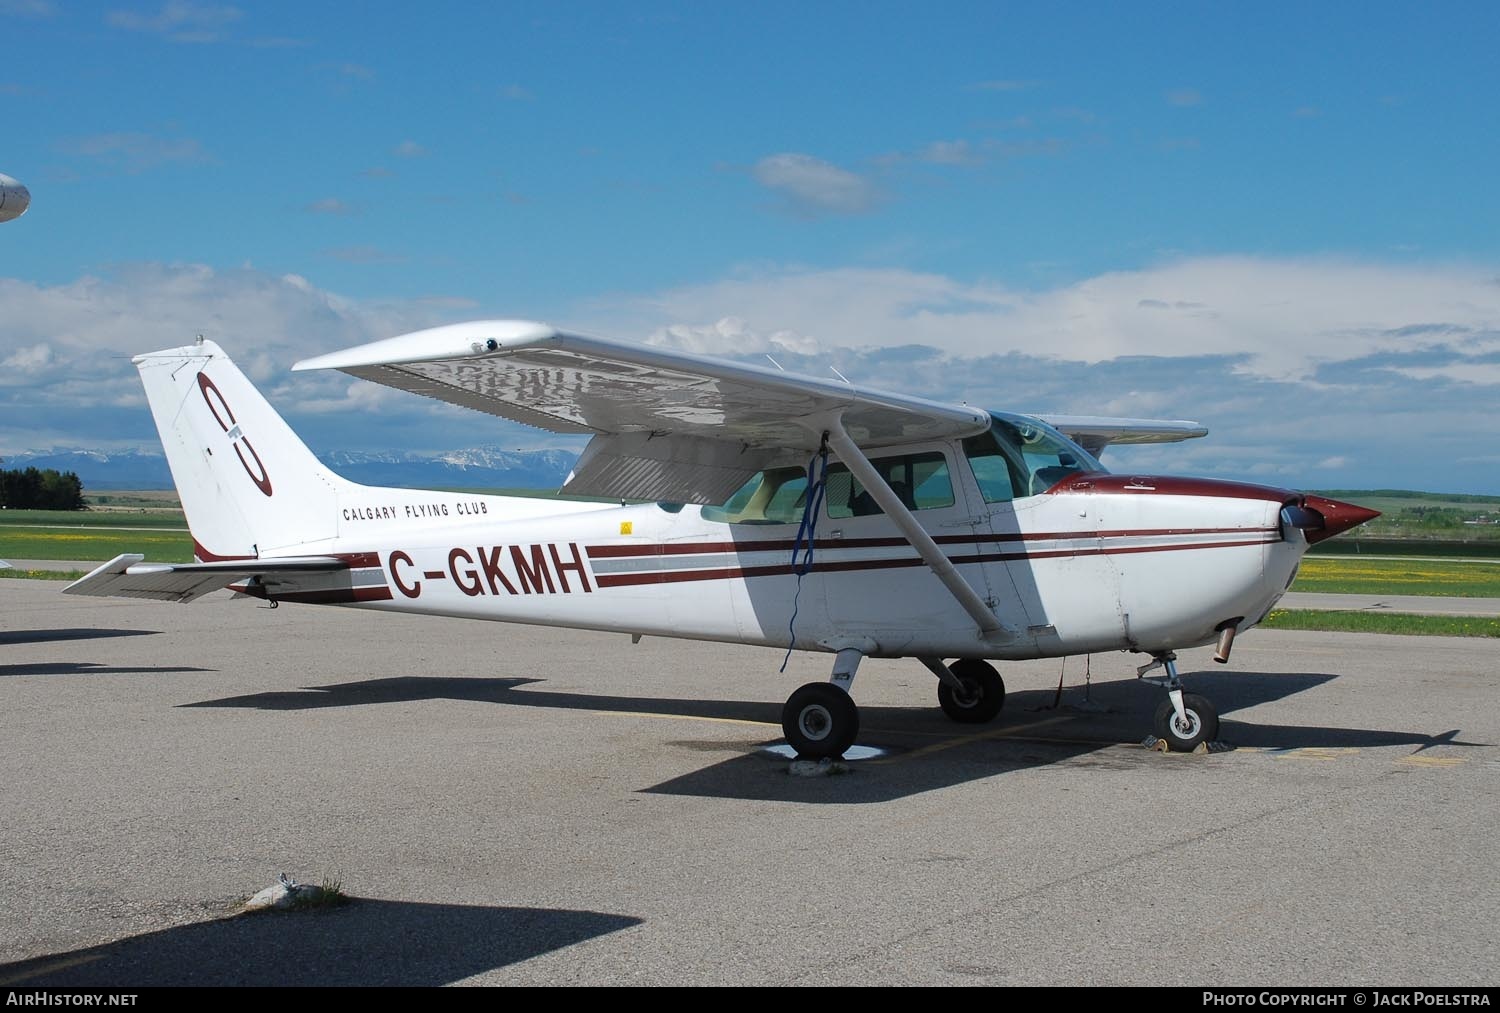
[40, 489]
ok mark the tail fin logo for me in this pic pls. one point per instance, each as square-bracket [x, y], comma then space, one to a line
[236, 436]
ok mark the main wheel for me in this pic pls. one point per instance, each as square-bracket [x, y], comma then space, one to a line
[820, 720]
[1202, 723]
[983, 696]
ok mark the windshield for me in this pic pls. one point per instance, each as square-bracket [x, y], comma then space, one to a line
[1022, 456]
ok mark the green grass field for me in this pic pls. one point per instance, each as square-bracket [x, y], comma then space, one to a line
[97, 534]
[93, 518]
[1350, 575]
[35, 542]
[15, 574]
[1382, 622]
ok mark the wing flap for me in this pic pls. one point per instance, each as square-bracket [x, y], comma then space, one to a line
[680, 469]
[129, 576]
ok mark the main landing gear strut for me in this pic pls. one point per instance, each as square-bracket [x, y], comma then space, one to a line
[1184, 719]
[821, 720]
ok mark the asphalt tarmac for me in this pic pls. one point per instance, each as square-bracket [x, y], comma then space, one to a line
[529, 806]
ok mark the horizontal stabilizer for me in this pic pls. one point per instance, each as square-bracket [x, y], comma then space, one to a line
[129, 576]
[1093, 432]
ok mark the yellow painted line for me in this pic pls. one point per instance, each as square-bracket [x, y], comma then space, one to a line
[1432, 761]
[687, 717]
[938, 747]
[1317, 753]
[55, 965]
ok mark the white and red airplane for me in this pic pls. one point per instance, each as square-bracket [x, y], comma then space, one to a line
[781, 510]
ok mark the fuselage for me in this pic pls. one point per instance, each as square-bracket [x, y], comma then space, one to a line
[1095, 562]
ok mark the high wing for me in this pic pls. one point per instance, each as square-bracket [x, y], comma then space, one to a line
[128, 576]
[670, 425]
[667, 425]
[1093, 432]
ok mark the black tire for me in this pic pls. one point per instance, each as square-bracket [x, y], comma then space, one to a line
[984, 697]
[1202, 723]
[820, 720]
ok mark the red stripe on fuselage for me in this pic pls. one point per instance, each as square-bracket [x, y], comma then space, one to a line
[1167, 485]
[724, 573]
[785, 544]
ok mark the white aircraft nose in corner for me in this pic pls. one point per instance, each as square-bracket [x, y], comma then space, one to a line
[14, 198]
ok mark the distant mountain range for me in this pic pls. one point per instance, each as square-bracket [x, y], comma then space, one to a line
[475, 468]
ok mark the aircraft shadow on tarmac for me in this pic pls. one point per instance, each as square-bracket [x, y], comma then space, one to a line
[81, 633]
[91, 668]
[367, 942]
[918, 749]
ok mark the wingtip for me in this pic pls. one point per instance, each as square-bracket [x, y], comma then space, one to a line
[445, 342]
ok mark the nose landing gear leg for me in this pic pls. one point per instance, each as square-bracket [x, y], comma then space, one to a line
[1183, 720]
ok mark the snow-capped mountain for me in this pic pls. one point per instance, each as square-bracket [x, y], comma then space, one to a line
[99, 469]
[474, 468]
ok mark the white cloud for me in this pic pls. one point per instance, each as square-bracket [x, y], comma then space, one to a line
[24, 363]
[1278, 318]
[1307, 371]
[355, 71]
[408, 149]
[180, 21]
[958, 152]
[1479, 374]
[135, 152]
[331, 206]
[730, 336]
[28, 8]
[812, 186]
[1184, 97]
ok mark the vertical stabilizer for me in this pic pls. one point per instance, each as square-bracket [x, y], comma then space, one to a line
[248, 485]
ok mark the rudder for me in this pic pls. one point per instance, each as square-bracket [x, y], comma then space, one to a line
[249, 486]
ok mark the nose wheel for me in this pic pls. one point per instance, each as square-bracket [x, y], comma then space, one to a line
[1199, 723]
[1184, 721]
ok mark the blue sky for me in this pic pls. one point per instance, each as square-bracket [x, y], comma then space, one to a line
[1278, 220]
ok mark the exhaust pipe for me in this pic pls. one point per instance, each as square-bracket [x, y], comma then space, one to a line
[1226, 640]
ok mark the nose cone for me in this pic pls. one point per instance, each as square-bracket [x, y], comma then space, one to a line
[1337, 517]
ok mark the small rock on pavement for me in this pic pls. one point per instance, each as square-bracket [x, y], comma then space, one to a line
[282, 895]
[825, 767]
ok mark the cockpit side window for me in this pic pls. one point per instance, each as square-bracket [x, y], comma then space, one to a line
[994, 469]
[1019, 456]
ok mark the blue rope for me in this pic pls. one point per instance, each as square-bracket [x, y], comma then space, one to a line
[807, 535]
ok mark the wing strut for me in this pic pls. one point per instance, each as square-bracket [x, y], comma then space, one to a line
[859, 465]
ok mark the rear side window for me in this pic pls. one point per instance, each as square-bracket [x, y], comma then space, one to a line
[921, 481]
